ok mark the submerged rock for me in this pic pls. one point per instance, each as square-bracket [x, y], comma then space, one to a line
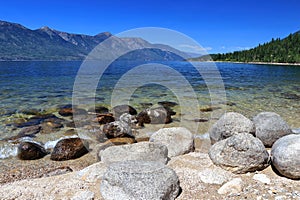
[35, 120]
[139, 180]
[51, 125]
[143, 151]
[121, 109]
[285, 156]
[240, 153]
[210, 108]
[270, 127]
[99, 110]
[167, 103]
[31, 151]
[70, 148]
[105, 118]
[32, 111]
[69, 111]
[178, 140]
[154, 116]
[30, 130]
[230, 124]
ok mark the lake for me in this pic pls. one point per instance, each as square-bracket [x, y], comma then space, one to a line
[249, 88]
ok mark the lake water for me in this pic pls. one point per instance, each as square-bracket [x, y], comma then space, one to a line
[250, 89]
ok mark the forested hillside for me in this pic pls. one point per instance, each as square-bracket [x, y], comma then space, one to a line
[285, 50]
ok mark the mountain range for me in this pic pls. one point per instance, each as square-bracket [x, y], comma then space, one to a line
[20, 43]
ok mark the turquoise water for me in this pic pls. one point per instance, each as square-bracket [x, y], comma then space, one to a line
[46, 85]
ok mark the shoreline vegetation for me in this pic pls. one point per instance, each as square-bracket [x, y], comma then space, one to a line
[278, 51]
[258, 63]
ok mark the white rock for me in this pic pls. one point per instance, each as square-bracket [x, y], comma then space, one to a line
[178, 140]
[232, 187]
[83, 195]
[215, 176]
[92, 173]
[262, 178]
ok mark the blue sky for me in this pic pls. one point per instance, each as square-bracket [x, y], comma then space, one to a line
[218, 25]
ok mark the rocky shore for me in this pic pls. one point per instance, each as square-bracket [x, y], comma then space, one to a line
[238, 158]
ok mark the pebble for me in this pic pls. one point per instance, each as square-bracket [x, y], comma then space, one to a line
[262, 178]
[231, 187]
[86, 194]
[281, 197]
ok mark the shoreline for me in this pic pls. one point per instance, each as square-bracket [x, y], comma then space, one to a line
[258, 63]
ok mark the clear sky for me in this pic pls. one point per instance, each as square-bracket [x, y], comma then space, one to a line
[218, 25]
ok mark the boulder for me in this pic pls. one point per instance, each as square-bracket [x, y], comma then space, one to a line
[119, 128]
[143, 151]
[158, 115]
[285, 156]
[31, 151]
[240, 153]
[178, 140]
[121, 109]
[270, 127]
[229, 124]
[70, 148]
[139, 180]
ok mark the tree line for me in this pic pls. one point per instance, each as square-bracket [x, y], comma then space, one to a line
[285, 50]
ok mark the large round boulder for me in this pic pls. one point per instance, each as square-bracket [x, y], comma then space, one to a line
[229, 124]
[31, 151]
[270, 127]
[240, 153]
[285, 156]
[70, 148]
[178, 140]
[139, 180]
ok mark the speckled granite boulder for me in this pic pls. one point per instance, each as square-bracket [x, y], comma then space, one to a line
[178, 140]
[230, 124]
[270, 127]
[139, 180]
[285, 156]
[240, 153]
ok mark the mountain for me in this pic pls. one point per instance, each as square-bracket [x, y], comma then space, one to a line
[20, 43]
[286, 50]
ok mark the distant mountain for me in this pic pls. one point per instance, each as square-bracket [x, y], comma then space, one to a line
[286, 50]
[20, 43]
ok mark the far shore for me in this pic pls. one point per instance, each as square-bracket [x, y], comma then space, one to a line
[258, 63]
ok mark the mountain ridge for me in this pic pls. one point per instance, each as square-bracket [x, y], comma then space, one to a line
[20, 43]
